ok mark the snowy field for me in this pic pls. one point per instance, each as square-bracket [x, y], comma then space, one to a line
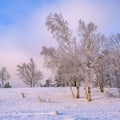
[56, 104]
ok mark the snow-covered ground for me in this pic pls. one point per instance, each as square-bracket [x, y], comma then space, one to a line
[56, 104]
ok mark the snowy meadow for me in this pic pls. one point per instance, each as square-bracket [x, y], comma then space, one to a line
[56, 103]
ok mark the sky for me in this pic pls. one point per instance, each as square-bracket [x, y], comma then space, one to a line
[23, 31]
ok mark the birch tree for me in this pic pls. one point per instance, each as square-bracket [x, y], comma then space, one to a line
[66, 54]
[103, 70]
[91, 46]
[29, 73]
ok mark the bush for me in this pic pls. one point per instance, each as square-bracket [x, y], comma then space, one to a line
[7, 85]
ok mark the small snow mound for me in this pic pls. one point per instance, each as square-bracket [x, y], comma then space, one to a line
[108, 94]
[69, 118]
[54, 113]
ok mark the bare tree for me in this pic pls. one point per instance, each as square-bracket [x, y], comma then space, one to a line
[29, 74]
[4, 76]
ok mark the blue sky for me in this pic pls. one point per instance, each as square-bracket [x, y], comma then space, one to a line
[23, 31]
[12, 11]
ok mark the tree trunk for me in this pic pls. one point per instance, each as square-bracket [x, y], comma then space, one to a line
[77, 89]
[85, 91]
[71, 88]
[89, 94]
[101, 88]
[89, 85]
[119, 91]
[2, 83]
[31, 85]
[2, 80]
[100, 83]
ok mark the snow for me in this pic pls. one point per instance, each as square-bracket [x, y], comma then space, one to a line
[57, 104]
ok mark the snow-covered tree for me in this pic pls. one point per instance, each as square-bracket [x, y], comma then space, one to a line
[115, 55]
[103, 70]
[91, 44]
[59, 78]
[4, 76]
[29, 73]
[66, 55]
